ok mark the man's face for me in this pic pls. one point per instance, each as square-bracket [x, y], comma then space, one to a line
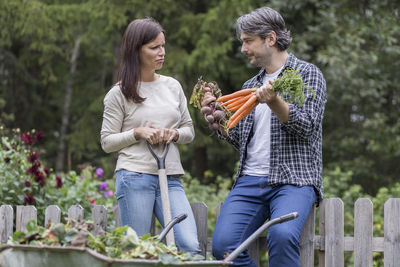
[256, 49]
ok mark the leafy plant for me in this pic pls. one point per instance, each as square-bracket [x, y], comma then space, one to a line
[121, 242]
[25, 180]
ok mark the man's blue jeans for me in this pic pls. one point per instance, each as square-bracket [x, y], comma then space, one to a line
[138, 196]
[250, 203]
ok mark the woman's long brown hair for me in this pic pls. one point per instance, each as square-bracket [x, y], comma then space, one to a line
[138, 33]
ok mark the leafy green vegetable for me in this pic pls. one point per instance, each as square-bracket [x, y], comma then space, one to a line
[122, 242]
[198, 92]
[291, 85]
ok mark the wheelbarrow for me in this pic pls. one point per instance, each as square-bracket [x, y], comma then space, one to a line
[47, 256]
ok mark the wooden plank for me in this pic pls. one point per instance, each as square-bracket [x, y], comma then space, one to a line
[75, 212]
[392, 232]
[307, 241]
[52, 215]
[99, 217]
[117, 217]
[6, 222]
[363, 232]
[334, 233]
[24, 215]
[200, 215]
[321, 253]
[377, 243]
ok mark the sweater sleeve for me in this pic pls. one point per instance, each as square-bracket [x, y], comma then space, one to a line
[185, 128]
[112, 139]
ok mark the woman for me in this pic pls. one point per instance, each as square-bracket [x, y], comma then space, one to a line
[146, 106]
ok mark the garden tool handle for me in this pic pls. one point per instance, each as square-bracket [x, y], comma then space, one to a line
[258, 232]
[163, 181]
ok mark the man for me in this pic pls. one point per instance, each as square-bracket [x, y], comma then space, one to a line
[280, 148]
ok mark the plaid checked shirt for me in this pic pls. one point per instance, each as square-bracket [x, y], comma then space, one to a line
[296, 146]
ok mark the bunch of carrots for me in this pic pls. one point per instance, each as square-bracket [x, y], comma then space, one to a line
[290, 85]
[241, 102]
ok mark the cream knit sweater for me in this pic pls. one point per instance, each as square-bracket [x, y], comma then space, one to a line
[165, 107]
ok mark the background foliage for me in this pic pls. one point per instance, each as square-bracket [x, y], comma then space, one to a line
[355, 44]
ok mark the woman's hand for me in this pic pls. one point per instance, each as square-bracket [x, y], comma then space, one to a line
[156, 136]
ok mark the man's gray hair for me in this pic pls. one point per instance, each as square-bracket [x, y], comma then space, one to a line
[261, 22]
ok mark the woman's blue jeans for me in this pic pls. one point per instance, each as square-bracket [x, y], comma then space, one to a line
[138, 196]
[250, 203]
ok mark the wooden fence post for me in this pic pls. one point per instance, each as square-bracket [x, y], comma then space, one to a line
[24, 215]
[307, 241]
[321, 226]
[6, 222]
[99, 217]
[392, 233]
[363, 232]
[75, 212]
[52, 215]
[334, 233]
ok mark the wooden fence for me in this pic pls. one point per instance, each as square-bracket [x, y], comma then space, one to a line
[330, 243]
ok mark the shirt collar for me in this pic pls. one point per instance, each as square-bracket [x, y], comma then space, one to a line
[290, 63]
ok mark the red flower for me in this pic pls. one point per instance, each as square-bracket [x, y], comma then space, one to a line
[27, 183]
[34, 168]
[7, 160]
[93, 201]
[59, 182]
[47, 172]
[40, 178]
[27, 138]
[39, 135]
[33, 157]
[29, 199]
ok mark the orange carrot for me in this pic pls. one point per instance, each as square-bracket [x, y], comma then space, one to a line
[234, 107]
[231, 101]
[245, 106]
[242, 92]
[235, 121]
[240, 101]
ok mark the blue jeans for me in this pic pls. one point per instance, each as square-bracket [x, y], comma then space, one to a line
[250, 203]
[138, 196]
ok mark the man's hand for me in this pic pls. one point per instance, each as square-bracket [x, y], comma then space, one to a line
[213, 115]
[266, 93]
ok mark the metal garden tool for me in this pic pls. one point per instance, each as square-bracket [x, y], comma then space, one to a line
[162, 176]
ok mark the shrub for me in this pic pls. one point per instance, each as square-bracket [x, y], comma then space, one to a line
[25, 180]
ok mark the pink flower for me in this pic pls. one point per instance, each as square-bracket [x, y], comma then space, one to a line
[115, 208]
[99, 172]
[103, 186]
[109, 193]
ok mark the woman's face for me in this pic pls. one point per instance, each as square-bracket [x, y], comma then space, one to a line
[152, 54]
